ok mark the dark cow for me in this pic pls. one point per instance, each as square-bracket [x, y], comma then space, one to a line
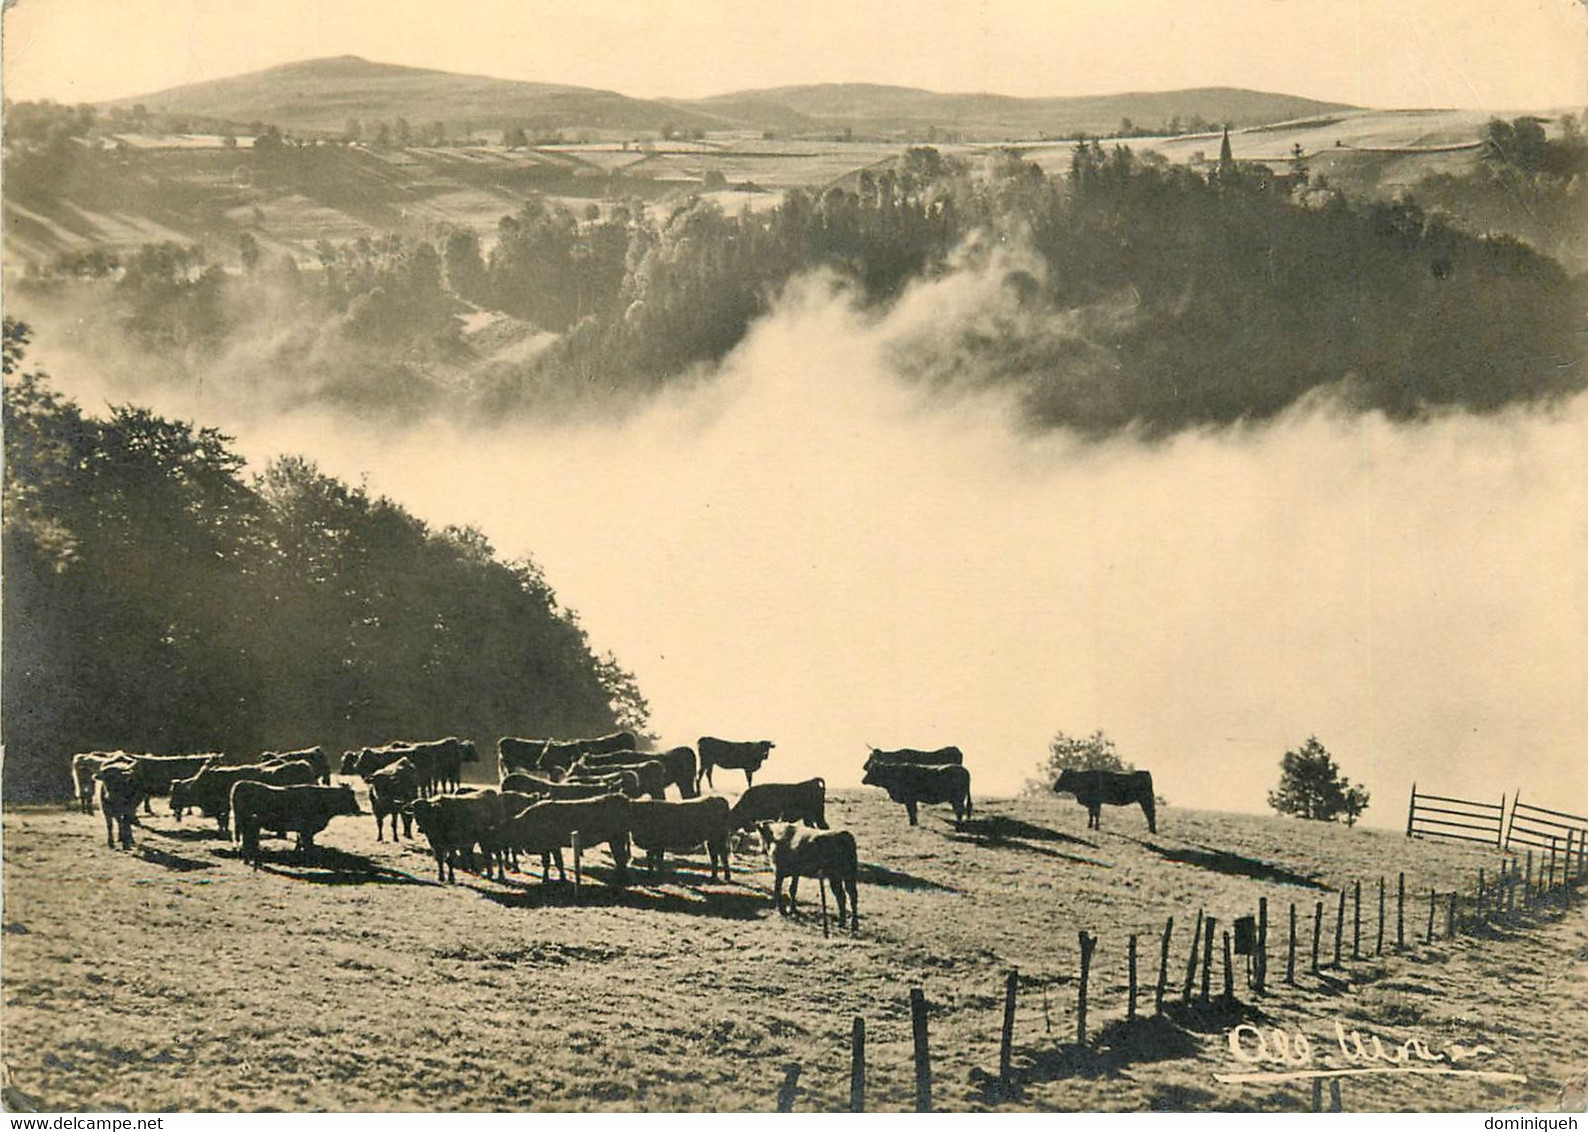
[314, 756]
[747, 757]
[455, 823]
[547, 827]
[391, 789]
[649, 773]
[909, 756]
[563, 791]
[303, 810]
[828, 855]
[682, 771]
[438, 762]
[1096, 788]
[210, 790]
[368, 760]
[556, 754]
[913, 785]
[118, 799]
[85, 766]
[616, 780]
[782, 801]
[152, 775]
[681, 827]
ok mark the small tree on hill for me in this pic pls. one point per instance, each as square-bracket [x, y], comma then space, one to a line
[1311, 786]
[1094, 752]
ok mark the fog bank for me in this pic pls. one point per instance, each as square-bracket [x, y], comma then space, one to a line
[810, 550]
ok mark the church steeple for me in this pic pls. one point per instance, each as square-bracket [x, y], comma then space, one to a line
[1226, 158]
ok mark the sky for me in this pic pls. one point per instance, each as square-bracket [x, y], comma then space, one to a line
[1488, 54]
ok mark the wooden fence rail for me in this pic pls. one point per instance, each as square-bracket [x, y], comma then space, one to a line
[1482, 822]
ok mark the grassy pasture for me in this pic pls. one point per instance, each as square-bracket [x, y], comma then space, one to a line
[174, 977]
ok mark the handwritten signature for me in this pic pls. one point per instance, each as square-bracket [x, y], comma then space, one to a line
[1293, 1056]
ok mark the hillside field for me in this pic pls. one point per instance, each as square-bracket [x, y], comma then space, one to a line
[176, 978]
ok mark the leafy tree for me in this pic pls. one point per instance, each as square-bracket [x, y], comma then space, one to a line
[1093, 752]
[1311, 786]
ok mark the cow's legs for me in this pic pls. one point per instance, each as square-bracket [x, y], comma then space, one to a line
[110, 837]
[749, 778]
[793, 891]
[909, 808]
[854, 903]
[1148, 808]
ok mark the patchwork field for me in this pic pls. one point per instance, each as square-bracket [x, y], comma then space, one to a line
[174, 977]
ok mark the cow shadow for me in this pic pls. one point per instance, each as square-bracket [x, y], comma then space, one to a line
[1025, 847]
[1115, 1048]
[884, 877]
[187, 833]
[171, 861]
[1233, 864]
[997, 827]
[325, 865]
[715, 899]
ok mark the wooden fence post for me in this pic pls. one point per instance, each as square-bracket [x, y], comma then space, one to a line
[1229, 972]
[857, 1066]
[1006, 1045]
[785, 1094]
[1317, 930]
[1191, 965]
[923, 1058]
[1088, 942]
[1335, 1104]
[578, 873]
[1550, 887]
[1356, 920]
[1262, 944]
[1130, 1002]
[1433, 899]
[1400, 913]
[1411, 810]
[1317, 1086]
[821, 886]
[1163, 966]
[1339, 928]
[1483, 891]
[1378, 947]
[1207, 956]
[1450, 918]
[1290, 954]
[1527, 885]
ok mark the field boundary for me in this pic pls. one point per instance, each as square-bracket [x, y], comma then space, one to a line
[1486, 818]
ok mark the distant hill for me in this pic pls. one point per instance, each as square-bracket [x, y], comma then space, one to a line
[322, 94]
[869, 108]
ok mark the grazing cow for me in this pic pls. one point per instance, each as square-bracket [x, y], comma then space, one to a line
[84, 767]
[314, 756]
[681, 827]
[455, 823]
[649, 774]
[1096, 788]
[913, 785]
[782, 801]
[438, 762]
[824, 854]
[747, 757]
[908, 756]
[303, 810]
[546, 827]
[391, 788]
[118, 799]
[153, 774]
[210, 790]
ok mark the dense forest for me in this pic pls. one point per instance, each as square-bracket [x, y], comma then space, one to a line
[1138, 295]
[156, 598]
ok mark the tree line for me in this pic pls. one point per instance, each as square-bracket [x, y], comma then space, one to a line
[1153, 297]
[157, 598]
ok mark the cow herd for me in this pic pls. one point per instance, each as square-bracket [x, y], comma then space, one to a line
[551, 795]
